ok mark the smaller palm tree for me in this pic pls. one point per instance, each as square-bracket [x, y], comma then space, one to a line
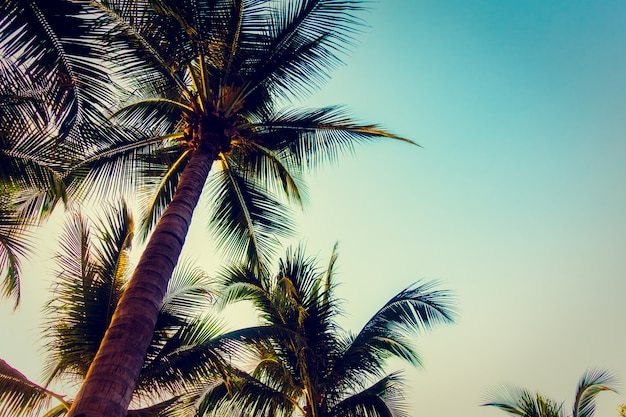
[306, 364]
[521, 402]
[93, 270]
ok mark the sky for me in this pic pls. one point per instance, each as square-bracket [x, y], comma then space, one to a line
[515, 201]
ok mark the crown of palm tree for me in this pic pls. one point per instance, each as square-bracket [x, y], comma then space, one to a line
[175, 76]
[304, 361]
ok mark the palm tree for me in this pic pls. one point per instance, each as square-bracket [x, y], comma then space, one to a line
[93, 270]
[521, 402]
[203, 83]
[306, 363]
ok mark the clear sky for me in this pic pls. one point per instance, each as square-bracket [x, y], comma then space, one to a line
[516, 202]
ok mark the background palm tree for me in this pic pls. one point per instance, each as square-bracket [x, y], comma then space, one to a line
[93, 269]
[524, 403]
[305, 362]
[192, 83]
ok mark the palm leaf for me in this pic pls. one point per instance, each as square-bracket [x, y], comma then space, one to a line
[240, 283]
[418, 307]
[155, 200]
[590, 385]
[20, 396]
[383, 399]
[189, 291]
[84, 299]
[316, 136]
[58, 411]
[15, 243]
[298, 48]
[521, 402]
[244, 395]
[269, 167]
[246, 220]
[166, 408]
[114, 165]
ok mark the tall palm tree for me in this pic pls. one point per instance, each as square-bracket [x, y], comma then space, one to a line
[193, 84]
[93, 269]
[521, 402]
[306, 363]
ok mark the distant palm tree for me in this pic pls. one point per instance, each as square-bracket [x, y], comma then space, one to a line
[206, 83]
[521, 402]
[306, 364]
[93, 270]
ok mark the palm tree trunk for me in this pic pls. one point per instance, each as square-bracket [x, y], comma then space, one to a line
[108, 387]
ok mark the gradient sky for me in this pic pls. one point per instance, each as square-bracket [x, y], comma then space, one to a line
[516, 202]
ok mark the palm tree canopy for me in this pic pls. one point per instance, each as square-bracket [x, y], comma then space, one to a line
[175, 76]
[306, 361]
[521, 402]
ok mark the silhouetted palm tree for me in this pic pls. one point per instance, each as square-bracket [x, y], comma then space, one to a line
[524, 403]
[306, 363]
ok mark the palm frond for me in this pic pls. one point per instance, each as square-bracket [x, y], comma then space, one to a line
[58, 45]
[315, 136]
[189, 291]
[116, 231]
[590, 385]
[116, 164]
[33, 85]
[185, 359]
[165, 408]
[79, 313]
[280, 175]
[241, 283]
[15, 243]
[521, 402]
[329, 283]
[20, 396]
[383, 399]
[58, 411]
[245, 395]
[92, 272]
[300, 45]
[418, 307]
[155, 200]
[246, 220]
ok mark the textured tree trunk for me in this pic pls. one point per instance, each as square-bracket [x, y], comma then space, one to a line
[108, 387]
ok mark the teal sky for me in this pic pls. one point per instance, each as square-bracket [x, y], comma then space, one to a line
[516, 200]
